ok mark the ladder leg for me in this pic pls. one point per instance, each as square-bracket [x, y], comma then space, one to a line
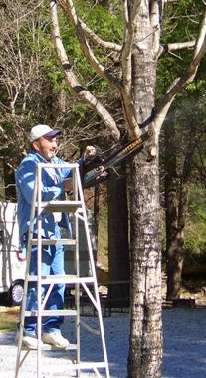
[22, 312]
[39, 270]
[77, 286]
[91, 257]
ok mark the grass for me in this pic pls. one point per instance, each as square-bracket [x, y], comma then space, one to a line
[8, 319]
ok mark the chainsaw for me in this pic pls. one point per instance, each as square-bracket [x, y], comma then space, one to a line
[97, 169]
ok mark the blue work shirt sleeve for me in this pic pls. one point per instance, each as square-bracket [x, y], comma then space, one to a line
[25, 178]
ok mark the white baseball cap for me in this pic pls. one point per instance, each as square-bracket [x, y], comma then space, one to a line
[39, 131]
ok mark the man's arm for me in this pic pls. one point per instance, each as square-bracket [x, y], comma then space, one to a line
[25, 178]
[88, 154]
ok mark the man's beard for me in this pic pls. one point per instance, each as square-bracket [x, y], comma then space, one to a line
[49, 155]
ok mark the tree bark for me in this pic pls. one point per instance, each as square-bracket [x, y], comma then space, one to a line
[145, 290]
[144, 360]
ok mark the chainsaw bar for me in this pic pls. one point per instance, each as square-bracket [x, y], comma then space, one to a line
[92, 170]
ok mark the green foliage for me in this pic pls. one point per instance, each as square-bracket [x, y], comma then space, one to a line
[179, 24]
[79, 110]
[195, 231]
[105, 24]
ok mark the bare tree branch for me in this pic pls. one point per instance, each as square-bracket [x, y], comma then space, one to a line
[155, 15]
[130, 117]
[25, 15]
[69, 9]
[187, 77]
[126, 64]
[71, 79]
[135, 10]
[180, 45]
[127, 50]
[177, 46]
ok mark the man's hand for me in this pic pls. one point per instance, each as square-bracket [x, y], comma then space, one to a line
[90, 152]
[68, 185]
[100, 170]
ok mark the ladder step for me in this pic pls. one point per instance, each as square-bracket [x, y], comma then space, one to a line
[52, 312]
[54, 241]
[57, 278]
[60, 206]
[87, 366]
[51, 347]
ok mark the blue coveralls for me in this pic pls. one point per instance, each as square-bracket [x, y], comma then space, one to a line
[52, 256]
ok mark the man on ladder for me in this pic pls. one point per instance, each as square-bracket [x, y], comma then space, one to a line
[44, 146]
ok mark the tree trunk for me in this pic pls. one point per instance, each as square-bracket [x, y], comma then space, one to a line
[145, 326]
[145, 349]
[96, 211]
[176, 205]
[118, 250]
[175, 222]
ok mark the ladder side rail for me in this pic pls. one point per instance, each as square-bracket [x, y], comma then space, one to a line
[77, 267]
[23, 359]
[28, 259]
[39, 267]
[97, 373]
[47, 295]
[89, 243]
[90, 295]
[87, 231]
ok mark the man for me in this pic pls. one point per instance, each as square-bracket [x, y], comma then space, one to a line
[43, 149]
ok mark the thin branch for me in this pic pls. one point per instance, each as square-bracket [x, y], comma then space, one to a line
[13, 102]
[201, 42]
[131, 14]
[97, 40]
[126, 63]
[69, 9]
[127, 50]
[177, 46]
[71, 78]
[135, 10]
[99, 68]
[155, 16]
[30, 12]
[128, 109]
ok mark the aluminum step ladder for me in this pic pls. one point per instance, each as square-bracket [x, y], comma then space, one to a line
[74, 204]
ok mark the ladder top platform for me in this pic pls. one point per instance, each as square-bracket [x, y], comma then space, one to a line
[58, 165]
[58, 278]
[60, 206]
[54, 241]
